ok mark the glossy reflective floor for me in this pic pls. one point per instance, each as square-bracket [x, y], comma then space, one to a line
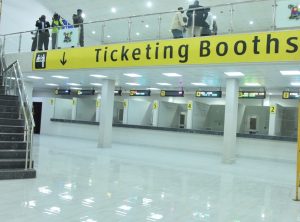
[77, 182]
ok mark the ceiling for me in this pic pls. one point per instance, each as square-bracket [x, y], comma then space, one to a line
[267, 75]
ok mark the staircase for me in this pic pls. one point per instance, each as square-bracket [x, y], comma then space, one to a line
[13, 139]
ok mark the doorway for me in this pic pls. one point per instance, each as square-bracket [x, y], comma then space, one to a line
[37, 116]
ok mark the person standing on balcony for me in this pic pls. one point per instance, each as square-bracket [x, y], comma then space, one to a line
[43, 33]
[78, 23]
[178, 24]
[56, 26]
[196, 17]
[208, 24]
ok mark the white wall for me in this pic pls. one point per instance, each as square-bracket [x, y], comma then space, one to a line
[86, 109]
[167, 113]
[63, 108]
[200, 111]
[139, 112]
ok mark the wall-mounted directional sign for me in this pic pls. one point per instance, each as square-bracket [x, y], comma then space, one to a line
[252, 94]
[290, 95]
[118, 92]
[86, 92]
[140, 93]
[62, 92]
[210, 94]
[171, 93]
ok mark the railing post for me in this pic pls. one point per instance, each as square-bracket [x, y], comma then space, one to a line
[129, 29]
[193, 24]
[231, 18]
[37, 40]
[27, 146]
[20, 42]
[31, 145]
[3, 46]
[103, 33]
[159, 26]
[274, 15]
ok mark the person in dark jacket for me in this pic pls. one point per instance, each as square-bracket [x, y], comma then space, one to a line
[199, 22]
[43, 33]
[78, 23]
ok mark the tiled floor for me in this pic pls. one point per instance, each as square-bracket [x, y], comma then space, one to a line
[77, 182]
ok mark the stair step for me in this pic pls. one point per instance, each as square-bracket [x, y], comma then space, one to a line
[5, 102]
[9, 109]
[11, 122]
[16, 145]
[11, 136]
[13, 163]
[12, 154]
[9, 97]
[10, 115]
[17, 174]
[11, 129]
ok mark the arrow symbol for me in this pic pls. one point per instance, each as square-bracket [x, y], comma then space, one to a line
[63, 61]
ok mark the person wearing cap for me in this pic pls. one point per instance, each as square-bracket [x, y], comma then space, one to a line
[178, 24]
[56, 26]
[43, 33]
[78, 23]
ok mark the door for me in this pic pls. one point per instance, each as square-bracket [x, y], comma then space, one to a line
[37, 116]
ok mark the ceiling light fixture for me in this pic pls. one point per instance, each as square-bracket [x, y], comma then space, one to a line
[290, 73]
[251, 23]
[149, 4]
[35, 77]
[254, 84]
[113, 10]
[108, 36]
[83, 15]
[93, 32]
[73, 84]
[60, 77]
[172, 74]
[51, 84]
[198, 84]
[234, 74]
[163, 84]
[295, 83]
[138, 34]
[76, 88]
[98, 76]
[154, 89]
[132, 75]
[96, 84]
[133, 84]
[147, 26]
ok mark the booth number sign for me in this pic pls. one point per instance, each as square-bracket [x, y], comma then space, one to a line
[272, 109]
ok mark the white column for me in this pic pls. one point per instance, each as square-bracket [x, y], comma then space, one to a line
[106, 114]
[155, 107]
[125, 113]
[74, 108]
[273, 120]
[98, 105]
[29, 91]
[189, 118]
[231, 117]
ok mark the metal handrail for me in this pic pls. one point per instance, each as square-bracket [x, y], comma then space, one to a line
[17, 88]
[149, 14]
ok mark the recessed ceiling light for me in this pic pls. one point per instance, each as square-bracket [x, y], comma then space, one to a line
[163, 84]
[290, 73]
[149, 4]
[295, 83]
[133, 84]
[108, 36]
[251, 23]
[96, 84]
[154, 89]
[132, 75]
[252, 84]
[234, 74]
[35, 77]
[93, 32]
[83, 15]
[98, 76]
[76, 88]
[113, 10]
[51, 84]
[60, 77]
[214, 17]
[137, 33]
[73, 84]
[147, 26]
[12, 78]
[198, 84]
[172, 74]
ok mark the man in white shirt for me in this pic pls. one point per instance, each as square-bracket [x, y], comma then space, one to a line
[178, 24]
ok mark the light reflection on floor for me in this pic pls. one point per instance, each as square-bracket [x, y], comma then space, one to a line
[78, 182]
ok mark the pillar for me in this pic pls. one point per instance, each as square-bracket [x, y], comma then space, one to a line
[98, 106]
[106, 114]
[155, 107]
[273, 120]
[231, 117]
[74, 108]
[125, 112]
[189, 118]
